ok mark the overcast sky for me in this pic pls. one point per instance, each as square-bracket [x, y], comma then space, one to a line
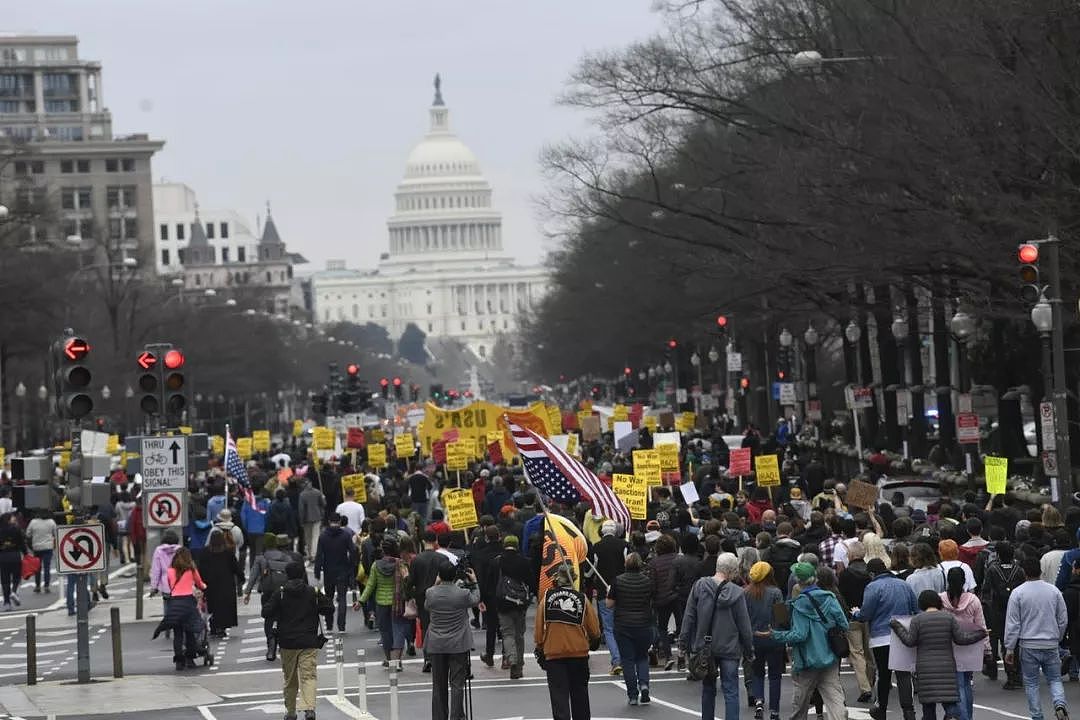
[314, 105]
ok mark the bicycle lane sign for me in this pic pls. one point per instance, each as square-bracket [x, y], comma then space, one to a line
[164, 463]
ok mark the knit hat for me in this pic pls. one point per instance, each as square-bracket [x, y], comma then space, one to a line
[759, 571]
[652, 525]
[270, 541]
[803, 571]
[511, 541]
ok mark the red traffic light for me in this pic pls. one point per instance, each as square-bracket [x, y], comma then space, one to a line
[384, 382]
[352, 369]
[627, 371]
[174, 359]
[1028, 253]
[397, 382]
[744, 382]
[721, 320]
[672, 343]
[76, 349]
[146, 359]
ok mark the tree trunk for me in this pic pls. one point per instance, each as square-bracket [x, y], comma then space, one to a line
[870, 414]
[946, 422]
[917, 428]
[887, 354]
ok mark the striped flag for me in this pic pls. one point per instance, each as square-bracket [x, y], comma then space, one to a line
[562, 477]
[234, 466]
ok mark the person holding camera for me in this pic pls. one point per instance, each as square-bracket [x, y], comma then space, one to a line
[567, 628]
[449, 639]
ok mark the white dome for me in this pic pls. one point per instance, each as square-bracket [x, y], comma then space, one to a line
[441, 155]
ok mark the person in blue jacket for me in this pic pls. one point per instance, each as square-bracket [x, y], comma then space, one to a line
[885, 598]
[253, 521]
[197, 531]
[814, 665]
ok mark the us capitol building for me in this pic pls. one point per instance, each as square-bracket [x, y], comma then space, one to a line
[446, 270]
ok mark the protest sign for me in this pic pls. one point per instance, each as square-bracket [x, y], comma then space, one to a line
[632, 490]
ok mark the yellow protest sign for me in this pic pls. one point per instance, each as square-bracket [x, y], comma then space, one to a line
[555, 419]
[376, 455]
[243, 448]
[650, 422]
[217, 444]
[378, 435]
[260, 440]
[669, 457]
[404, 446]
[494, 436]
[3, 456]
[997, 470]
[185, 429]
[632, 490]
[356, 484]
[768, 470]
[620, 413]
[457, 456]
[571, 444]
[111, 446]
[297, 428]
[689, 420]
[67, 445]
[582, 416]
[460, 509]
[322, 438]
[647, 466]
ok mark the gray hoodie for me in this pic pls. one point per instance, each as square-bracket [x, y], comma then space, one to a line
[729, 625]
[1036, 616]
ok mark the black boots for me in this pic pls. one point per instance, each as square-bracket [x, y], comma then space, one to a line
[271, 649]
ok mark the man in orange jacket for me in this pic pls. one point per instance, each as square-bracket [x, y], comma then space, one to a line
[566, 629]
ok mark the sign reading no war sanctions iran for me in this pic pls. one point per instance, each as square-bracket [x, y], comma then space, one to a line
[356, 484]
[633, 491]
[460, 509]
[647, 465]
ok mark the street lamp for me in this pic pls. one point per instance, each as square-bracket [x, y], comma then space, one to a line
[20, 390]
[667, 367]
[695, 360]
[714, 355]
[962, 326]
[231, 302]
[43, 393]
[810, 337]
[785, 338]
[129, 392]
[1042, 316]
[852, 332]
[3, 212]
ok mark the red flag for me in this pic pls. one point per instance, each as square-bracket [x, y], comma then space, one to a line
[495, 452]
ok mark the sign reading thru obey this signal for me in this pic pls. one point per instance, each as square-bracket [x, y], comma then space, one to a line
[164, 463]
[80, 548]
[164, 509]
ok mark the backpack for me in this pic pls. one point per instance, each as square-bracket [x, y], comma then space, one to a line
[274, 577]
[512, 592]
[277, 520]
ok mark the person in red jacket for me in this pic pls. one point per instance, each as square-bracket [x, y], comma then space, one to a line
[137, 533]
[759, 504]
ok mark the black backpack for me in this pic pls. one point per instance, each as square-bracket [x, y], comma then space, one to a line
[274, 577]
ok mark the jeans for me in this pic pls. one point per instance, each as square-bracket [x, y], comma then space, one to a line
[338, 588]
[728, 669]
[448, 673]
[1032, 660]
[884, 682]
[392, 630]
[568, 688]
[634, 643]
[300, 669]
[512, 623]
[607, 623]
[70, 591]
[772, 655]
[10, 577]
[45, 556]
[967, 697]
[952, 710]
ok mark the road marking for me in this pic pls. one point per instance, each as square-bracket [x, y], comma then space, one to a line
[1000, 712]
[344, 706]
[658, 701]
[51, 643]
[205, 712]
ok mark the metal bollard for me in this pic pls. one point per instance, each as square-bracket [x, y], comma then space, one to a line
[393, 691]
[31, 649]
[117, 637]
[339, 660]
[361, 684]
[140, 587]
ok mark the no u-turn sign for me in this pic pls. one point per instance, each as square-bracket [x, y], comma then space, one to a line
[80, 548]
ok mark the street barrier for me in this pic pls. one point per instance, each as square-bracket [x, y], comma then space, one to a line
[361, 684]
[117, 639]
[339, 661]
[31, 649]
[393, 691]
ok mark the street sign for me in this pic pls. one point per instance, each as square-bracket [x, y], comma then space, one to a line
[734, 362]
[787, 393]
[1050, 464]
[164, 509]
[813, 410]
[80, 548]
[967, 428]
[1048, 426]
[859, 397]
[164, 462]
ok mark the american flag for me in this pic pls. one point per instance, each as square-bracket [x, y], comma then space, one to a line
[234, 466]
[562, 477]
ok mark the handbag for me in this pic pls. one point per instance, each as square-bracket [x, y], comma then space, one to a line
[836, 635]
[410, 611]
[31, 565]
[700, 664]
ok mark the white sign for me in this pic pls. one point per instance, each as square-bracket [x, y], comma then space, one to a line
[165, 508]
[734, 362]
[625, 437]
[787, 393]
[1049, 427]
[80, 548]
[859, 397]
[667, 438]
[689, 492]
[903, 407]
[164, 463]
[680, 395]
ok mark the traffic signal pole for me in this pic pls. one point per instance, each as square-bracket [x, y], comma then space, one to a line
[1061, 488]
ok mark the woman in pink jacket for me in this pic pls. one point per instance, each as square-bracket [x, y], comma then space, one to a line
[967, 608]
[159, 567]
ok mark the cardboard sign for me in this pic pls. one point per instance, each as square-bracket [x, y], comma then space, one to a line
[572, 444]
[243, 448]
[185, 429]
[647, 466]
[217, 444]
[969, 658]
[632, 490]
[768, 470]
[861, 494]
[357, 484]
[376, 455]
[625, 437]
[555, 418]
[739, 461]
[460, 509]
[650, 422]
[689, 492]
[111, 447]
[404, 446]
[590, 428]
[457, 456]
[297, 428]
[667, 419]
[669, 458]
[260, 440]
[997, 471]
[494, 451]
[322, 438]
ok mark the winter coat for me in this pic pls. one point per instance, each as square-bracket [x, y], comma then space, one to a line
[220, 571]
[566, 623]
[686, 574]
[516, 567]
[782, 554]
[808, 636]
[632, 593]
[254, 522]
[12, 544]
[933, 634]
[968, 610]
[234, 532]
[484, 557]
[384, 582]
[159, 567]
[727, 621]
[215, 505]
[662, 574]
[852, 583]
[447, 605]
[1072, 607]
[312, 505]
[755, 508]
[197, 533]
[296, 609]
[335, 554]
[886, 597]
[281, 518]
[41, 533]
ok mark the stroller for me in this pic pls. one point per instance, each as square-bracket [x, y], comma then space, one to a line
[203, 649]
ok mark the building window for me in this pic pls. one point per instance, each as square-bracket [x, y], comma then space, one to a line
[111, 165]
[224, 254]
[164, 232]
[429, 308]
[210, 230]
[67, 166]
[430, 327]
[75, 198]
[165, 255]
[181, 256]
[241, 252]
[269, 277]
[82, 166]
[120, 197]
[128, 164]
[180, 231]
[224, 230]
[355, 311]
[198, 279]
[383, 310]
[462, 326]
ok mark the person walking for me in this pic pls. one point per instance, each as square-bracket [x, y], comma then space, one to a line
[448, 640]
[335, 563]
[609, 559]
[281, 519]
[268, 576]
[12, 549]
[312, 511]
[761, 595]
[220, 570]
[423, 572]
[41, 537]
[351, 512]
[966, 607]
[182, 610]
[1072, 608]
[928, 574]
[294, 611]
[567, 627]
[852, 582]
[388, 583]
[484, 556]
[631, 597]
[1035, 621]
[815, 667]
[160, 564]
[665, 599]
[932, 634]
[516, 583]
[234, 542]
[885, 597]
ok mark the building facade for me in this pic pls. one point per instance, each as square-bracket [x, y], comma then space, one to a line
[445, 269]
[93, 188]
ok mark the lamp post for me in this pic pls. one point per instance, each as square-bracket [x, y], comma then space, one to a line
[695, 360]
[962, 326]
[810, 339]
[1042, 316]
[18, 435]
[900, 330]
[853, 333]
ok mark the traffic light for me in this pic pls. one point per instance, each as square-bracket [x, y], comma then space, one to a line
[149, 384]
[73, 377]
[595, 392]
[744, 384]
[384, 383]
[784, 357]
[672, 344]
[175, 390]
[1030, 288]
[721, 321]
[398, 389]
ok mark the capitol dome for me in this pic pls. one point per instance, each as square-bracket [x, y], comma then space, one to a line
[441, 154]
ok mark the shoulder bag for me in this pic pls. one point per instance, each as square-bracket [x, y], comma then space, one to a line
[836, 635]
[701, 665]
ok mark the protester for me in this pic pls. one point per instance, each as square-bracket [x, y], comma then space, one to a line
[631, 597]
[335, 562]
[665, 599]
[566, 629]
[885, 597]
[281, 519]
[41, 536]
[484, 557]
[1072, 608]
[609, 558]
[964, 606]
[1035, 621]
[294, 611]
[220, 570]
[388, 584]
[351, 512]
[12, 549]
[928, 574]
[761, 597]
[268, 576]
[448, 640]
[1003, 576]
[312, 510]
[516, 582]
[182, 611]
[424, 571]
[852, 582]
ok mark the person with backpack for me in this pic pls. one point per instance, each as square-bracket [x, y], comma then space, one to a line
[268, 576]
[1003, 575]
[281, 518]
[335, 560]
[234, 541]
[513, 593]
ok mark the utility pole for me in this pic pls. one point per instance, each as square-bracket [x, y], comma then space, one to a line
[1060, 487]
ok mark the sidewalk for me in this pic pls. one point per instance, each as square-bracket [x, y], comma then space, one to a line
[140, 693]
